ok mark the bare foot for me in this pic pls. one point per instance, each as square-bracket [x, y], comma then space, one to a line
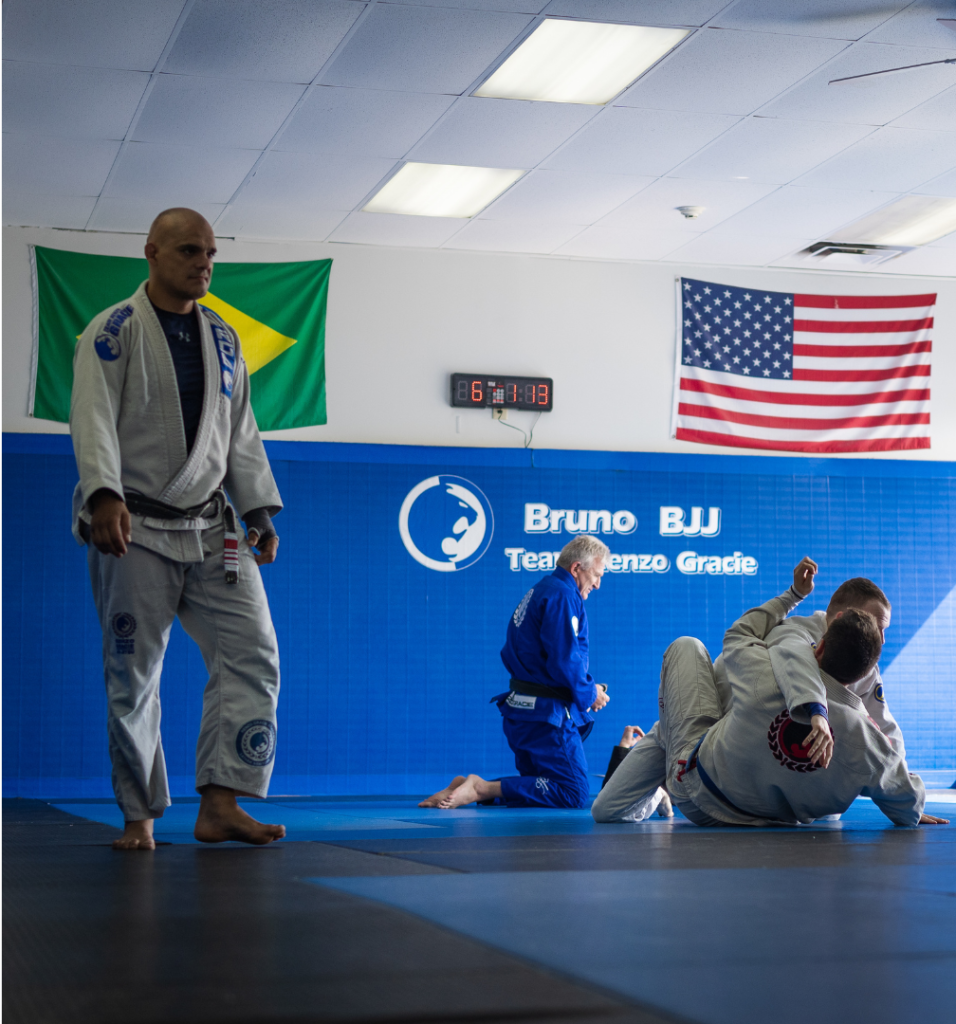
[221, 819]
[665, 809]
[137, 835]
[472, 789]
[436, 798]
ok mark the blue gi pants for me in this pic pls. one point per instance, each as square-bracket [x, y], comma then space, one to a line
[550, 758]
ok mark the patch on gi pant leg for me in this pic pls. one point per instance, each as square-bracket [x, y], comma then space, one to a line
[256, 742]
[786, 737]
[124, 626]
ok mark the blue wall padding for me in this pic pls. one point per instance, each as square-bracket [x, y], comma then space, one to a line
[388, 666]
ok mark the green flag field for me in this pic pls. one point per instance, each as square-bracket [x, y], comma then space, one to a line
[278, 309]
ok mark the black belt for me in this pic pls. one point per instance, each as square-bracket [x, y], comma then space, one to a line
[141, 505]
[527, 689]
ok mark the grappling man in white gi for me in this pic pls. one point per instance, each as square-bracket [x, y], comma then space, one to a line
[758, 759]
[166, 443]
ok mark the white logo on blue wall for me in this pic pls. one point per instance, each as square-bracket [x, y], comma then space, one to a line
[446, 523]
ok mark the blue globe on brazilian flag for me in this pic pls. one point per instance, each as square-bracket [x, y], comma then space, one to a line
[278, 309]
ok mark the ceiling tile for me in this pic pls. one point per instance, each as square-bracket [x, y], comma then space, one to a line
[329, 181]
[727, 72]
[394, 229]
[72, 101]
[875, 100]
[509, 6]
[944, 185]
[917, 25]
[47, 211]
[609, 242]
[182, 110]
[501, 133]
[568, 196]
[266, 40]
[423, 49]
[639, 12]
[625, 140]
[946, 242]
[722, 246]
[279, 222]
[89, 33]
[835, 19]
[893, 159]
[806, 212]
[932, 260]
[655, 207]
[40, 165]
[513, 236]
[364, 122]
[179, 175]
[937, 114]
[136, 215]
[770, 149]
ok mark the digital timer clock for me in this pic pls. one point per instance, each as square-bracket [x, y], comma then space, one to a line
[477, 391]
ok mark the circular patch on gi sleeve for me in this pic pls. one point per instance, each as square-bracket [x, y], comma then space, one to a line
[256, 742]
[124, 624]
[107, 347]
[878, 693]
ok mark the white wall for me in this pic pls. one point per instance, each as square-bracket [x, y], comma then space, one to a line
[401, 320]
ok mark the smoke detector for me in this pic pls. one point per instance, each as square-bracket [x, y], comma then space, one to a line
[690, 212]
[851, 255]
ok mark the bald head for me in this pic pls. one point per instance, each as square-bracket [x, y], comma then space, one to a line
[180, 249]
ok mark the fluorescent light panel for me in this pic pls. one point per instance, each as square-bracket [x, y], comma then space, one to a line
[579, 61]
[912, 220]
[441, 190]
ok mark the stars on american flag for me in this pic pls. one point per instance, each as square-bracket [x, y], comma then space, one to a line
[737, 331]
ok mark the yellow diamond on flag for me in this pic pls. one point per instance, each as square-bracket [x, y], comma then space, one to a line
[260, 344]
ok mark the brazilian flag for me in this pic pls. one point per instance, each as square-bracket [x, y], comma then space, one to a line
[278, 309]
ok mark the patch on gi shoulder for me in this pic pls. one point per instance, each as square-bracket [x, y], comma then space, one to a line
[786, 737]
[574, 624]
[107, 347]
[256, 742]
[522, 610]
[519, 700]
[878, 693]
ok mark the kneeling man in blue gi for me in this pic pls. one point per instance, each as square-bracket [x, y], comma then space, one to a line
[546, 714]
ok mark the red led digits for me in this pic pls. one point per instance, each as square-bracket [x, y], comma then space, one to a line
[531, 393]
[542, 394]
[477, 393]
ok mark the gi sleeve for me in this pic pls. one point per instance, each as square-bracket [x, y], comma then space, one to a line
[874, 701]
[249, 478]
[566, 662]
[99, 372]
[899, 795]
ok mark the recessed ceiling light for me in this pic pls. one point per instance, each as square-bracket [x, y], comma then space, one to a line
[441, 190]
[579, 61]
[912, 220]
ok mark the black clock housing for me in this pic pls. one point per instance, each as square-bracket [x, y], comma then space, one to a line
[499, 391]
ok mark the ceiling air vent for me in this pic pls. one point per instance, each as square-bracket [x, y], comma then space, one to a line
[851, 255]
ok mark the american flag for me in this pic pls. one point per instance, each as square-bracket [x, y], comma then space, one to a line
[803, 373]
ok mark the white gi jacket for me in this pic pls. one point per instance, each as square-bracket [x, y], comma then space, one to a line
[127, 426]
[804, 633]
[746, 756]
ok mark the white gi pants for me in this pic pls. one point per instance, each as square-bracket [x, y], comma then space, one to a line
[137, 598]
[689, 705]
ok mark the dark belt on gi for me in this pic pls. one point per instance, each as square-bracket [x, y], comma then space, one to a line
[141, 505]
[692, 764]
[528, 689]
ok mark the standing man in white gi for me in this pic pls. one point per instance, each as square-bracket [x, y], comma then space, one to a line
[168, 449]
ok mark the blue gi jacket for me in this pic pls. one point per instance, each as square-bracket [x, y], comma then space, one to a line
[548, 644]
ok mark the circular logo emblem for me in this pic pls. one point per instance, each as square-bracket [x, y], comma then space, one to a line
[107, 347]
[446, 523]
[878, 693]
[786, 743]
[256, 742]
[124, 624]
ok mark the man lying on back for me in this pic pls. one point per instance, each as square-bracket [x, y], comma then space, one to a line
[761, 762]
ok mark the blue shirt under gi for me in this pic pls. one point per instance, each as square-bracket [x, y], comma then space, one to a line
[547, 643]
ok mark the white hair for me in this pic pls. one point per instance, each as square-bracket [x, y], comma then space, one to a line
[584, 549]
